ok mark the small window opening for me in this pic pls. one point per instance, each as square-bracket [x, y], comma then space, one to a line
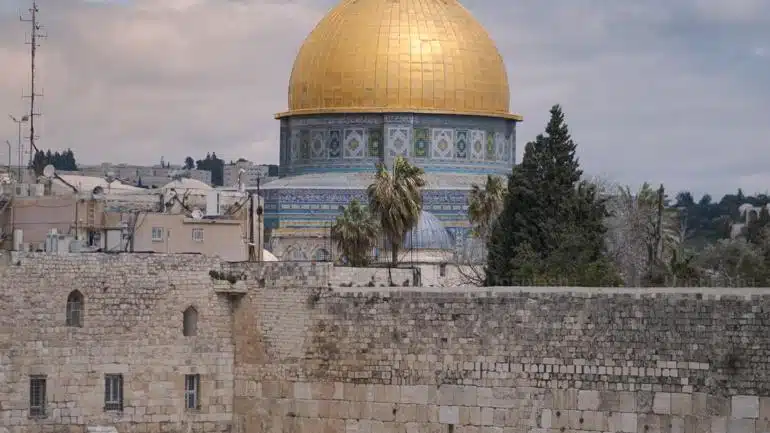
[190, 322]
[113, 392]
[192, 384]
[75, 309]
[442, 270]
[37, 397]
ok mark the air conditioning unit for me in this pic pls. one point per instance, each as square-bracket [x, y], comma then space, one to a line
[18, 240]
[21, 190]
[37, 190]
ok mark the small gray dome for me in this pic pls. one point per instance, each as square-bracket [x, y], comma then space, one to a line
[429, 233]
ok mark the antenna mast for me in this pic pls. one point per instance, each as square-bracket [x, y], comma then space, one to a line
[33, 43]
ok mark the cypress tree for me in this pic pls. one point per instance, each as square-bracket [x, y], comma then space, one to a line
[552, 224]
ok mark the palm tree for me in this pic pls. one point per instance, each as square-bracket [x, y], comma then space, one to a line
[485, 205]
[355, 232]
[395, 198]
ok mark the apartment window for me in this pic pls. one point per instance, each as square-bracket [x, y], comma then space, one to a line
[37, 397]
[192, 386]
[157, 234]
[75, 309]
[113, 392]
[197, 234]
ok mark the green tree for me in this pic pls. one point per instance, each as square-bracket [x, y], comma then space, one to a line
[189, 163]
[215, 165]
[64, 161]
[395, 199]
[355, 232]
[552, 223]
[736, 262]
[756, 230]
[485, 205]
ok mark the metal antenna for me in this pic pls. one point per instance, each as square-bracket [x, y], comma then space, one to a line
[35, 36]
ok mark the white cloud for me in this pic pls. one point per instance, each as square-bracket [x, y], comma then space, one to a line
[646, 94]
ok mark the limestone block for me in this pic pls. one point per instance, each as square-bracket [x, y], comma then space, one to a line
[499, 418]
[504, 397]
[594, 421]
[681, 404]
[484, 397]
[741, 425]
[466, 396]
[744, 406]
[545, 418]
[628, 422]
[416, 394]
[763, 425]
[387, 393]
[322, 391]
[677, 424]
[718, 424]
[588, 400]
[302, 391]
[661, 403]
[383, 411]
[474, 416]
[487, 416]
[565, 399]
[446, 395]
[449, 415]
[406, 413]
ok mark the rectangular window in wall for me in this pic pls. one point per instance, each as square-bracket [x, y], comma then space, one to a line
[157, 234]
[197, 234]
[37, 398]
[113, 392]
[192, 386]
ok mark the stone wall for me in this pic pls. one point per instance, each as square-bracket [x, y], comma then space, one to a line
[278, 350]
[132, 325]
[511, 360]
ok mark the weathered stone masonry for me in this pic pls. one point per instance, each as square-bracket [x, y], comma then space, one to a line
[540, 360]
[280, 351]
[132, 324]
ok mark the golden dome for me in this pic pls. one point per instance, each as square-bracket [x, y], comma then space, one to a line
[378, 56]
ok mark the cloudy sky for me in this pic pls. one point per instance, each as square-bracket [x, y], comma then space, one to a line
[657, 90]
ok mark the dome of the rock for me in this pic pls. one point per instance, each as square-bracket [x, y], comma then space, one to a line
[429, 56]
[376, 80]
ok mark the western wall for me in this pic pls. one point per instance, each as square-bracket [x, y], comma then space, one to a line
[284, 347]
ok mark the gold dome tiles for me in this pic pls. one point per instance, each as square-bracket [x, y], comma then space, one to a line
[424, 56]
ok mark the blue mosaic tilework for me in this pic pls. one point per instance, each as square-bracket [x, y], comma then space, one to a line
[359, 142]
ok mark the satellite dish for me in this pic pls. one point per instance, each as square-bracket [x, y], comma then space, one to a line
[197, 214]
[97, 193]
[110, 176]
[49, 171]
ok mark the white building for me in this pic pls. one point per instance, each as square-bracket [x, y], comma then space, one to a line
[251, 172]
[148, 176]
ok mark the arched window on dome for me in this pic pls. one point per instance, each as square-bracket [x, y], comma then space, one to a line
[190, 322]
[75, 309]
